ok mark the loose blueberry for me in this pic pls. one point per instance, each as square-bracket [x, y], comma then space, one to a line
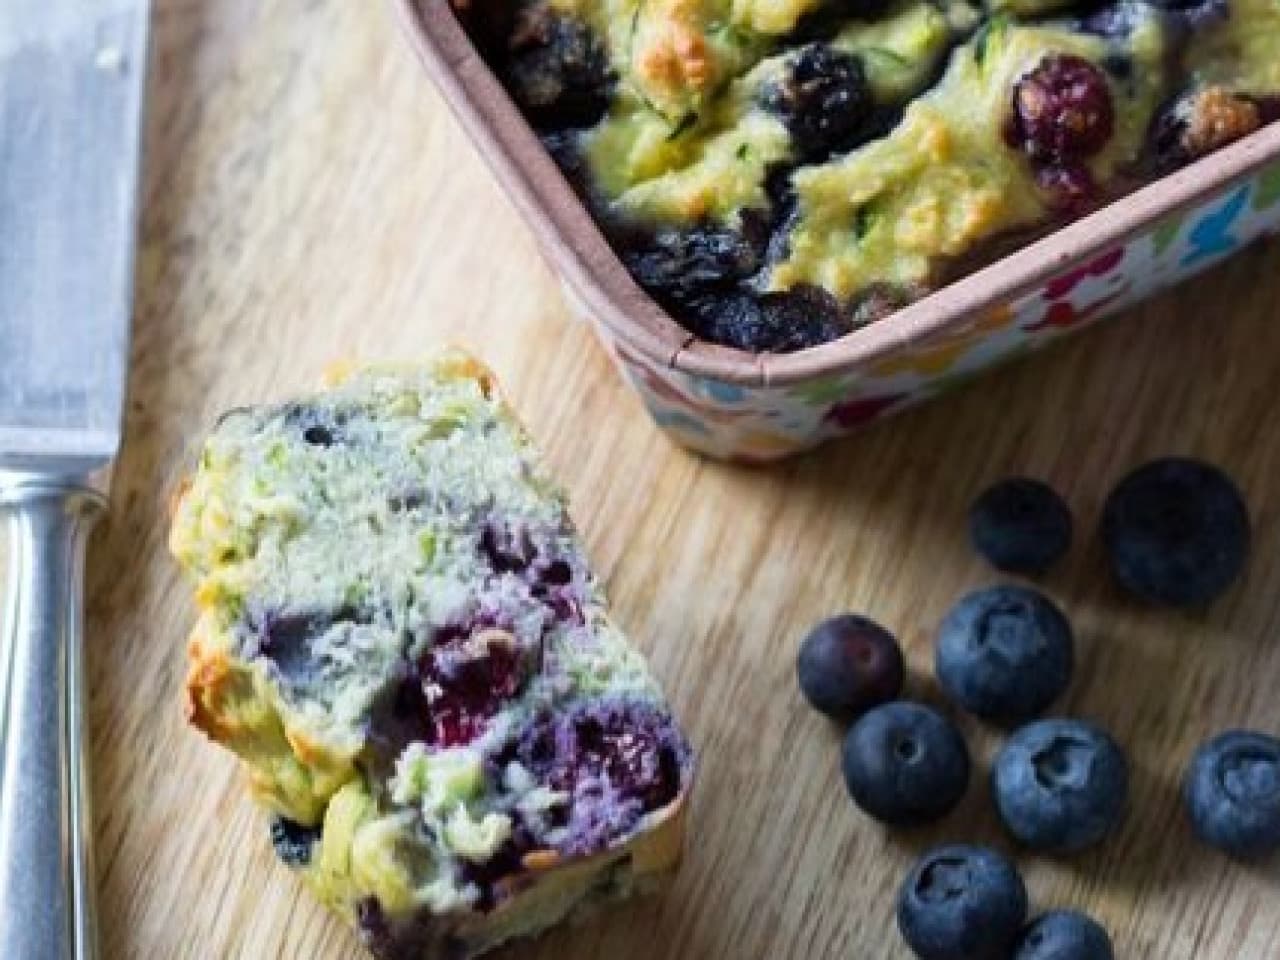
[1005, 653]
[1060, 785]
[1232, 793]
[1176, 532]
[849, 664]
[557, 70]
[1020, 526]
[823, 100]
[293, 841]
[962, 903]
[905, 764]
[1062, 110]
[1065, 935]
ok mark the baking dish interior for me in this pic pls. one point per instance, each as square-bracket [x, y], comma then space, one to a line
[606, 290]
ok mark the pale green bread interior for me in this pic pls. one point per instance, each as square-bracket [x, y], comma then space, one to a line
[377, 530]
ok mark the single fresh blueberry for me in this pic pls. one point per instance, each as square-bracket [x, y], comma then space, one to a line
[849, 664]
[1020, 526]
[293, 841]
[905, 764]
[1005, 653]
[962, 903]
[1060, 785]
[1065, 935]
[1176, 531]
[1232, 793]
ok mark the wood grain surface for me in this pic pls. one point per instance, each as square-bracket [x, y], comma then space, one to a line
[309, 197]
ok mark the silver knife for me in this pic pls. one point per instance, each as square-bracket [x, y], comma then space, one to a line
[72, 78]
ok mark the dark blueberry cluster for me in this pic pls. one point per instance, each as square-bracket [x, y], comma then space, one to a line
[557, 69]
[1062, 115]
[702, 274]
[685, 265]
[778, 322]
[823, 99]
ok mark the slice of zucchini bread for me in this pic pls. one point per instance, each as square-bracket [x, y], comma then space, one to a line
[401, 638]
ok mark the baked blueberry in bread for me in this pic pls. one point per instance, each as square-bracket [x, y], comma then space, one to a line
[777, 173]
[400, 637]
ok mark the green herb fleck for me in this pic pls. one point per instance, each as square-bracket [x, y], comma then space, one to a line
[687, 121]
[891, 56]
[864, 221]
[427, 546]
[987, 33]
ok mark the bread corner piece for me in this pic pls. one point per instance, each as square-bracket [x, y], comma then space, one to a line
[401, 638]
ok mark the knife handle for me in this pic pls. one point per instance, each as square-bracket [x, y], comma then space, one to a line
[46, 831]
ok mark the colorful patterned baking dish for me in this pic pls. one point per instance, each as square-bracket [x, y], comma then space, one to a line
[760, 407]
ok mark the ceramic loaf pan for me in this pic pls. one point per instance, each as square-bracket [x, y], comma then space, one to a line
[749, 407]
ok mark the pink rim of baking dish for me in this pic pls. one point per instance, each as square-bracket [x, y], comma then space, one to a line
[579, 251]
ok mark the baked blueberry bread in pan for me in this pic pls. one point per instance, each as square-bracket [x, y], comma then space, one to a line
[777, 173]
[400, 637]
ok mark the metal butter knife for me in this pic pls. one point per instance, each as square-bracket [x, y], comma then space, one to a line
[71, 93]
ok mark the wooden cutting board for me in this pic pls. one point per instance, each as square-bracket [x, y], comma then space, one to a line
[309, 197]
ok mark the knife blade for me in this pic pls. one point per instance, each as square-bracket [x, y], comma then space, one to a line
[71, 90]
[72, 80]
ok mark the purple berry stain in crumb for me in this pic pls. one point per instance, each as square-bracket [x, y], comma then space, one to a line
[285, 637]
[465, 679]
[1068, 189]
[616, 761]
[508, 550]
[507, 861]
